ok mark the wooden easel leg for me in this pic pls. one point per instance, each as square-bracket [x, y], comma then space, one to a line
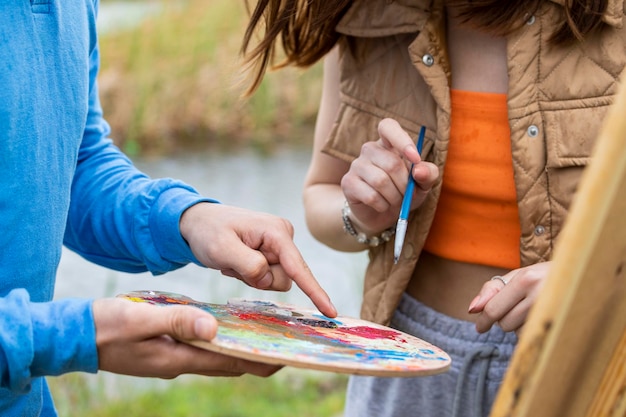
[571, 356]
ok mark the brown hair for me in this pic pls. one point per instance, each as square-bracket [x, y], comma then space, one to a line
[581, 17]
[306, 28]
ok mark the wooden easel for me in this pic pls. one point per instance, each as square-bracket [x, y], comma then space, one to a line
[571, 356]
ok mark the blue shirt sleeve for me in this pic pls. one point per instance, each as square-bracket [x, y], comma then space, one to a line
[119, 217]
[40, 339]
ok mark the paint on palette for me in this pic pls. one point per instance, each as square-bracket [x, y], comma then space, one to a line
[284, 334]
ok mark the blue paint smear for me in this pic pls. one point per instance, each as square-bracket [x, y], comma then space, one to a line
[323, 317]
[394, 355]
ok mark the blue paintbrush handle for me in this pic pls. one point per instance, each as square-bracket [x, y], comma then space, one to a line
[410, 186]
[406, 203]
[408, 196]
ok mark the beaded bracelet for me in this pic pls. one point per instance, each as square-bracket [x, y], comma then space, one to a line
[361, 237]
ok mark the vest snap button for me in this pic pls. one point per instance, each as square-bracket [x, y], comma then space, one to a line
[428, 60]
[539, 230]
[531, 20]
[533, 131]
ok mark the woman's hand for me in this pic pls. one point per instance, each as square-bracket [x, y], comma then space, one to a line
[375, 183]
[508, 304]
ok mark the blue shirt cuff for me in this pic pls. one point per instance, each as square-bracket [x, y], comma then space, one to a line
[64, 337]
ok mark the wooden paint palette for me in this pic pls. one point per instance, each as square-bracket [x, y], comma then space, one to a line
[283, 334]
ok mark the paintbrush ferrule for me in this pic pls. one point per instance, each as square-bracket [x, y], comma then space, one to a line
[399, 241]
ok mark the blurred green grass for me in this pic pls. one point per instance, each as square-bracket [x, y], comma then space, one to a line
[174, 83]
[295, 393]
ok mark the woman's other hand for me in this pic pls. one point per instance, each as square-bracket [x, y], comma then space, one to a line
[506, 300]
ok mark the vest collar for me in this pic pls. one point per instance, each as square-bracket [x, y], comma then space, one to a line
[385, 17]
[613, 15]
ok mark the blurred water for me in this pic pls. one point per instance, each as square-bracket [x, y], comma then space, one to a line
[119, 15]
[270, 184]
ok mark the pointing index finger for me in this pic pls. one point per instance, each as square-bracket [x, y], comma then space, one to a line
[297, 268]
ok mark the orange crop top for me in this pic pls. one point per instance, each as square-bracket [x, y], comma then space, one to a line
[477, 217]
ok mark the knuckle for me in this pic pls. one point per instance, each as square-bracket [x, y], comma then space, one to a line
[434, 170]
[529, 276]
[347, 181]
[125, 316]
[177, 320]
[379, 180]
[370, 200]
[490, 312]
[288, 226]
[397, 167]
[367, 148]
[255, 273]
[505, 326]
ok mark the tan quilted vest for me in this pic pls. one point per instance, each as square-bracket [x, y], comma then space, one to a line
[556, 101]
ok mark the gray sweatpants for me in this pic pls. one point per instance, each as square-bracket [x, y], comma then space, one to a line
[468, 389]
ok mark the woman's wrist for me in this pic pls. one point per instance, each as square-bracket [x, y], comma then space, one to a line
[361, 237]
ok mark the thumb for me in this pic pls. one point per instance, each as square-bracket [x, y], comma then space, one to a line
[187, 323]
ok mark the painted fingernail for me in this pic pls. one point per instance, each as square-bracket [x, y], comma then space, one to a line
[473, 304]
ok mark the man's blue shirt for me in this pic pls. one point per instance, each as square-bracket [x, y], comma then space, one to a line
[62, 181]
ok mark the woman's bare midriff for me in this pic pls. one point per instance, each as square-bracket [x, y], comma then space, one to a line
[478, 63]
[449, 286]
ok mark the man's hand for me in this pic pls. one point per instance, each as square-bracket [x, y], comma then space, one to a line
[256, 248]
[144, 340]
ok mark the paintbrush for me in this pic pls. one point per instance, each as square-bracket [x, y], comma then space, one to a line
[403, 219]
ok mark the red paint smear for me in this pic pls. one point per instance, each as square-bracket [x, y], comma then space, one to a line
[371, 333]
[261, 318]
